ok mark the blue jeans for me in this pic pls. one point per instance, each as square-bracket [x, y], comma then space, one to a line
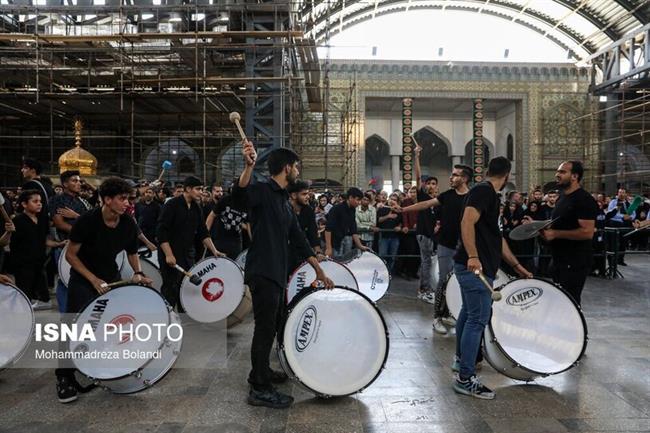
[387, 250]
[474, 315]
[426, 265]
[61, 289]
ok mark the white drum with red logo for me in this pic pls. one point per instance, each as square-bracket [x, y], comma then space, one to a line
[16, 324]
[305, 274]
[536, 330]
[371, 273]
[334, 342]
[142, 354]
[64, 266]
[452, 291]
[220, 292]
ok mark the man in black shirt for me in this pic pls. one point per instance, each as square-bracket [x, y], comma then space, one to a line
[95, 240]
[299, 199]
[341, 229]
[274, 225]
[31, 172]
[179, 225]
[65, 209]
[147, 211]
[425, 230]
[28, 249]
[390, 222]
[225, 224]
[480, 250]
[571, 235]
[450, 207]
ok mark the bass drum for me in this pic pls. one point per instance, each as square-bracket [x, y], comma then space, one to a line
[64, 267]
[241, 259]
[16, 323]
[536, 330]
[371, 274]
[123, 363]
[452, 291]
[304, 275]
[334, 342]
[149, 266]
[243, 309]
[220, 292]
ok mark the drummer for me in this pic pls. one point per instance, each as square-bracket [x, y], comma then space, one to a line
[481, 249]
[299, 199]
[96, 238]
[180, 223]
[570, 236]
[274, 224]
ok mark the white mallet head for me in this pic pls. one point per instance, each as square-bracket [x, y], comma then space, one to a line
[234, 117]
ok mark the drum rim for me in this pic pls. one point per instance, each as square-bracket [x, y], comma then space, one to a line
[582, 318]
[76, 317]
[498, 347]
[390, 276]
[185, 277]
[280, 338]
[171, 366]
[286, 289]
[22, 351]
[58, 267]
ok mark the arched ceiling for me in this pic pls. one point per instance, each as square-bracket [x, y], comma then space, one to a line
[581, 27]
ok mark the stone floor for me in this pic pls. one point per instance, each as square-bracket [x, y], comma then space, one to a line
[608, 392]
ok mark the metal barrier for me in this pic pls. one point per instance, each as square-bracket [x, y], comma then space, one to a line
[607, 247]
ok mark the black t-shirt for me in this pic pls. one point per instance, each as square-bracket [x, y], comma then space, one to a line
[388, 224]
[341, 222]
[579, 205]
[426, 218]
[484, 199]
[100, 244]
[27, 244]
[450, 215]
[147, 217]
[226, 228]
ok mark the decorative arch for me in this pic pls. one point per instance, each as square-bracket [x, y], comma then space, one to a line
[435, 158]
[377, 158]
[488, 151]
[185, 160]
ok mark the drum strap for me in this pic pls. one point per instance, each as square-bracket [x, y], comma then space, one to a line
[84, 389]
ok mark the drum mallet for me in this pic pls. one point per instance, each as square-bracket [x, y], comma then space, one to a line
[236, 118]
[115, 284]
[496, 295]
[166, 165]
[194, 279]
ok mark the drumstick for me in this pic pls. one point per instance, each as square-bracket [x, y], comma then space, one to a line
[235, 118]
[165, 166]
[2, 209]
[496, 295]
[116, 283]
[193, 278]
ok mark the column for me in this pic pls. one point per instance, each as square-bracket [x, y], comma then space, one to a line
[395, 175]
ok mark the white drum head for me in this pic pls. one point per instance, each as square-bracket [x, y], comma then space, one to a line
[538, 326]
[150, 269]
[125, 305]
[16, 323]
[452, 291]
[220, 292]
[305, 275]
[334, 341]
[241, 259]
[120, 260]
[371, 273]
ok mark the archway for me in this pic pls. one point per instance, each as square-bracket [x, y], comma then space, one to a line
[185, 161]
[488, 151]
[377, 159]
[434, 159]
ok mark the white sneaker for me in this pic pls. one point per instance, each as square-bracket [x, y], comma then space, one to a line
[41, 305]
[438, 327]
[449, 321]
[426, 297]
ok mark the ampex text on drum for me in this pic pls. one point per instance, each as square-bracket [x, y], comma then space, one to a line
[124, 332]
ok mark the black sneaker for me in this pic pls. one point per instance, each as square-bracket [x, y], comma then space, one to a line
[278, 376]
[473, 387]
[66, 389]
[269, 398]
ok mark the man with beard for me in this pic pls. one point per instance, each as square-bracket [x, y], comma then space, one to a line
[480, 250]
[451, 206]
[570, 237]
[299, 199]
[274, 225]
[147, 211]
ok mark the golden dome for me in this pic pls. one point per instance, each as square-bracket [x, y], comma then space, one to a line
[78, 158]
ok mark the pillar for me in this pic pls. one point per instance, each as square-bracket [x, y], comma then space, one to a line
[395, 174]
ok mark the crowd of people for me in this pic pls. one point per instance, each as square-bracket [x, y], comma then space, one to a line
[406, 228]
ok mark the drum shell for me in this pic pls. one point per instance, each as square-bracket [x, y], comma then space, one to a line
[282, 348]
[18, 296]
[243, 309]
[339, 273]
[496, 357]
